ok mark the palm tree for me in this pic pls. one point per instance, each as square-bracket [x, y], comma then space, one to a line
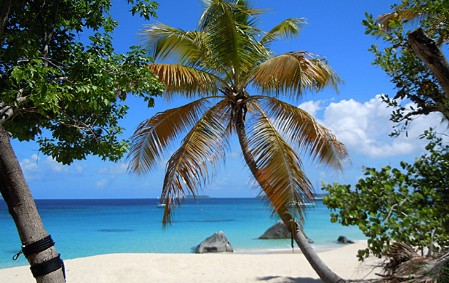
[217, 64]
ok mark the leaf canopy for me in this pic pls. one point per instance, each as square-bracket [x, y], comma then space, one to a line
[67, 94]
[414, 80]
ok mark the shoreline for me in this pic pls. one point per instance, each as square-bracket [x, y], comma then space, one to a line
[317, 247]
[246, 251]
[274, 266]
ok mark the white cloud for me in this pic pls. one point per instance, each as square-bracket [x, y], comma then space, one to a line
[35, 168]
[115, 170]
[103, 183]
[55, 166]
[30, 164]
[364, 127]
[78, 168]
[311, 107]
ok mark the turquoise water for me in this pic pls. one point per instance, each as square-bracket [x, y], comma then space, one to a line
[90, 227]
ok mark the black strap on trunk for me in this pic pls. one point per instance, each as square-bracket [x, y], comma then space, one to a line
[38, 246]
[47, 267]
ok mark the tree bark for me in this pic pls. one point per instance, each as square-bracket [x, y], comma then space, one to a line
[312, 257]
[6, 7]
[323, 271]
[432, 56]
[22, 208]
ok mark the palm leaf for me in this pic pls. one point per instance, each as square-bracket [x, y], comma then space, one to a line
[241, 9]
[219, 24]
[164, 41]
[201, 150]
[245, 15]
[154, 135]
[279, 169]
[401, 15]
[230, 41]
[292, 73]
[304, 131]
[403, 264]
[287, 28]
[409, 13]
[185, 80]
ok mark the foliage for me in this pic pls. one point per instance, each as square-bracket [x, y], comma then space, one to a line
[407, 205]
[61, 82]
[218, 64]
[413, 80]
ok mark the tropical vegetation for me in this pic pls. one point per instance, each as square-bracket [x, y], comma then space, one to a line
[414, 35]
[403, 211]
[64, 93]
[235, 82]
[406, 204]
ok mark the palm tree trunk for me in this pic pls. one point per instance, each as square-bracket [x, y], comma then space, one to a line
[22, 208]
[312, 257]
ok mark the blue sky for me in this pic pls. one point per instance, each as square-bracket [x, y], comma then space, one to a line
[355, 114]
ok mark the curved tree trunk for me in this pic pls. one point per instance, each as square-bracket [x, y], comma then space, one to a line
[432, 56]
[312, 257]
[22, 208]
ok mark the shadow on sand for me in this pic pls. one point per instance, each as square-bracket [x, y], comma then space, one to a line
[290, 279]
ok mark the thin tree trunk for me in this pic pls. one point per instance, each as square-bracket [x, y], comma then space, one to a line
[432, 56]
[22, 208]
[312, 257]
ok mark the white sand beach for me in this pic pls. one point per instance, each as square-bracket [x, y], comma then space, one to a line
[190, 268]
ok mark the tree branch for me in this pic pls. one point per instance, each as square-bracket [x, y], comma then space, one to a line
[5, 9]
[49, 37]
[8, 111]
[432, 56]
[393, 207]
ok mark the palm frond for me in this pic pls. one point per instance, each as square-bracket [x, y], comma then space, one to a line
[201, 150]
[230, 38]
[245, 15]
[293, 73]
[219, 23]
[404, 264]
[287, 28]
[186, 81]
[416, 14]
[154, 135]
[185, 47]
[279, 168]
[242, 10]
[305, 132]
[401, 15]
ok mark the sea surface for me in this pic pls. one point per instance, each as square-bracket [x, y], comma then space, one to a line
[83, 228]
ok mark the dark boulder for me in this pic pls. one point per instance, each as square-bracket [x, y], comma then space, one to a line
[278, 231]
[344, 240]
[217, 243]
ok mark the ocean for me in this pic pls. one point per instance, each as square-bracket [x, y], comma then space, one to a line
[83, 228]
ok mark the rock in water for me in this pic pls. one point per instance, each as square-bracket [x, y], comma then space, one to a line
[217, 243]
[277, 231]
[344, 240]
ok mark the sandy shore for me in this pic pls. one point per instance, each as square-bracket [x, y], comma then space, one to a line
[193, 268]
